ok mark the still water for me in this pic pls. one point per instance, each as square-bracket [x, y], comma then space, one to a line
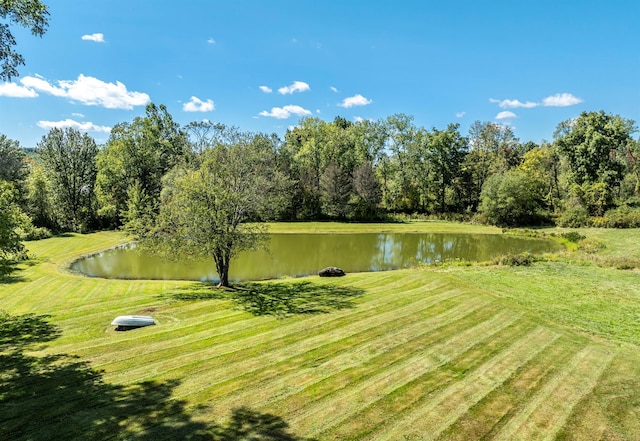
[295, 255]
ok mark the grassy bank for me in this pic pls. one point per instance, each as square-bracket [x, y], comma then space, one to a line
[541, 352]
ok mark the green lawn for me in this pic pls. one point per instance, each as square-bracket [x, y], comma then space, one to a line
[550, 351]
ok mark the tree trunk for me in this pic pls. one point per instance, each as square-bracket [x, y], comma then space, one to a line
[224, 277]
[222, 266]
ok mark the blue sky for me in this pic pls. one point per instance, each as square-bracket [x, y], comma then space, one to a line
[262, 65]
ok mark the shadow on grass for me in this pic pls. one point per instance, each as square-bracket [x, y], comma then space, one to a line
[18, 331]
[9, 272]
[278, 299]
[63, 397]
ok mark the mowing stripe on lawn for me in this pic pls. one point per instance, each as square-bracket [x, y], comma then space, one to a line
[547, 412]
[486, 418]
[403, 399]
[245, 358]
[336, 357]
[444, 408]
[375, 388]
[269, 337]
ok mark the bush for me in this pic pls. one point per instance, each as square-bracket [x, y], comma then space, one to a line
[513, 199]
[622, 217]
[591, 246]
[523, 259]
[573, 236]
[35, 233]
[574, 217]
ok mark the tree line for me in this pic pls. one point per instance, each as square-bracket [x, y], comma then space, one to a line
[588, 175]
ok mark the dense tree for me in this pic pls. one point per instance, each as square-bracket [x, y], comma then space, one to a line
[632, 160]
[594, 146]
[31, 14]
[542, 165]
[367, 190]
[447, 150]
[311, 147]
[138, 155]
[10, 219]
[335, 185]
[207, 211]
[513, 199]
[13, 166]
[69, 158]
[493, 149]
[401, 138]
[40, 205]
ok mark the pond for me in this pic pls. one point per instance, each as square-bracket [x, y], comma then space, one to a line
[296, 255]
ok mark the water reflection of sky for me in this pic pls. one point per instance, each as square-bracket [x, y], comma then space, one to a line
[295, 255]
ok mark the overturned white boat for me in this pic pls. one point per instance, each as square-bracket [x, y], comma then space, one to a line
[125, 322]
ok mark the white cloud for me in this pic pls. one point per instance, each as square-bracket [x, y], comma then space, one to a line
[69, 123]
[333, 89]
[90, 91]
[98, 38]
[266, 89]
[78, 115]
[211, 41]
[297, 86]
[42, 85]
[195, 104]
[513, 104]
[15, 91]
[358, 119]
[318, 111]
[460, 114]
[285, 112]
[557, 100]
[356, 100]
[506, 115]
[561, 100]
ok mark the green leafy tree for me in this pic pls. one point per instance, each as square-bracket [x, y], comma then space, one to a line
[335, 184]
[542, 164]
[594, 146]
[367, 190]
[69, 158]
[11, 218]
[513, 199]
[207, 212]
[632, 160]
[447, 150]
[138, 154]
[40, 205]
[13, 166]
[401, 144]
[493, 149]
[31, 14]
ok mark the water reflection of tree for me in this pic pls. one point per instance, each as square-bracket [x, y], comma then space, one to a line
[62, 397]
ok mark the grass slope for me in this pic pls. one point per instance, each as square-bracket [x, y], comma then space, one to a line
[549, 351]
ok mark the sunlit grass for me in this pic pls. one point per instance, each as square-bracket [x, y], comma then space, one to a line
[478, 352]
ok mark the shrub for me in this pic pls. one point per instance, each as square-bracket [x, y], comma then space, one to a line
[573, 236]
[522, 259]
[574, 217]
[35, 233]
[591, 246]
[622, 217]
